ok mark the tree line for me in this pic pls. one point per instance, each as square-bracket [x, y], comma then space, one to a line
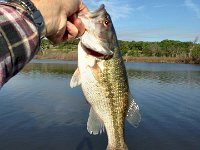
[164, 48]
[68, 46]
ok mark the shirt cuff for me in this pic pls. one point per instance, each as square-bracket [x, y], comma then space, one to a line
[19, 40]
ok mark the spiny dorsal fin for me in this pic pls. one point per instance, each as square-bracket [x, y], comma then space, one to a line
[95, 124]
[76, 79]
[133, 114]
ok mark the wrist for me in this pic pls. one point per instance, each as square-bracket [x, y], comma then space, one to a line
[34, 13]
[43, 31]
[37, 4]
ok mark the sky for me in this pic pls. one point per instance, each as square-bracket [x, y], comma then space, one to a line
[153, 20]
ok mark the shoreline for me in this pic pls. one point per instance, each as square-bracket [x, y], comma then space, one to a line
[73, 56]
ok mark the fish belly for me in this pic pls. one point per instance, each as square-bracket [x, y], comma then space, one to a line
[109, 103]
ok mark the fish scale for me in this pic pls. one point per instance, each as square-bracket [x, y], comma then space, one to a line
[102, 75]
[109, 95]
[117, 88]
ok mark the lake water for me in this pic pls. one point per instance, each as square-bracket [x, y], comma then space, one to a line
[39, 111]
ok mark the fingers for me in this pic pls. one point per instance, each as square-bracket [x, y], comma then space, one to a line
[77, 22]
[81, 28]
[71, 31]
[74, 28]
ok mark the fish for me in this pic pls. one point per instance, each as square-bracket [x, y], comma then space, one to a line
[102, 75]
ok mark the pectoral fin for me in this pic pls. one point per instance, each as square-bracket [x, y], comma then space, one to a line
[133, 114]
[91, 61]
[76, 79]
[94, 124]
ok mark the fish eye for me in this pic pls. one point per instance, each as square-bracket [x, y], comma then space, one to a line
[106, 23]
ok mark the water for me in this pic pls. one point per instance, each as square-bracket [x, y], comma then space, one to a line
[39, 111]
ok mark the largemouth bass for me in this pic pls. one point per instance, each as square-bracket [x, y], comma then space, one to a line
[103, 78]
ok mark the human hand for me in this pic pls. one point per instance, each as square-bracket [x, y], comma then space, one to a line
[60, 17]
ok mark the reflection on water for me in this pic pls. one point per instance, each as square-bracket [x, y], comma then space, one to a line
[56, 68]
[39, 111]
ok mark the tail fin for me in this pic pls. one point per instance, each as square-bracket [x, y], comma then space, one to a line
[124, 147]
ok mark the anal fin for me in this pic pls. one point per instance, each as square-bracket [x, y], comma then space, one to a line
[95, 124]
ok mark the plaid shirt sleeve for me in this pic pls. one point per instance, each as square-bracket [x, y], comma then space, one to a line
[19, 40]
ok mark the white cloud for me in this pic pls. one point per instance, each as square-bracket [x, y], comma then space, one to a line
[194, 7]
[117, 9]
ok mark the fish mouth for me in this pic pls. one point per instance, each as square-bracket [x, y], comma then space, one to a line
[94, 53]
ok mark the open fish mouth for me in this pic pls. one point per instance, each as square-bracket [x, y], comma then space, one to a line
[94, 53]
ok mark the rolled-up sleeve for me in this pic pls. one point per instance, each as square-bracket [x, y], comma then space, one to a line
[19, 40]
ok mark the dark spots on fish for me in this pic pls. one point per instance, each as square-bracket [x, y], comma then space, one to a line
[113, 80]
[107, 57]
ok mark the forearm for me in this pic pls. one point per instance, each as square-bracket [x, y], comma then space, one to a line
[19, 41]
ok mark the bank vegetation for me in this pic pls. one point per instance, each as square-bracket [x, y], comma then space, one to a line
[163, 51]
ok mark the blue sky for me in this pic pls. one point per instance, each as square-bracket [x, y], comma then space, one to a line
[153, 20]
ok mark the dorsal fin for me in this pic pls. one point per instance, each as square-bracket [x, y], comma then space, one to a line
[133, 115]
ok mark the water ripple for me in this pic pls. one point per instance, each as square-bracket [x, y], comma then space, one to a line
[38, 106]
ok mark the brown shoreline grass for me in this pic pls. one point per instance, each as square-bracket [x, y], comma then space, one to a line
[58, 55]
